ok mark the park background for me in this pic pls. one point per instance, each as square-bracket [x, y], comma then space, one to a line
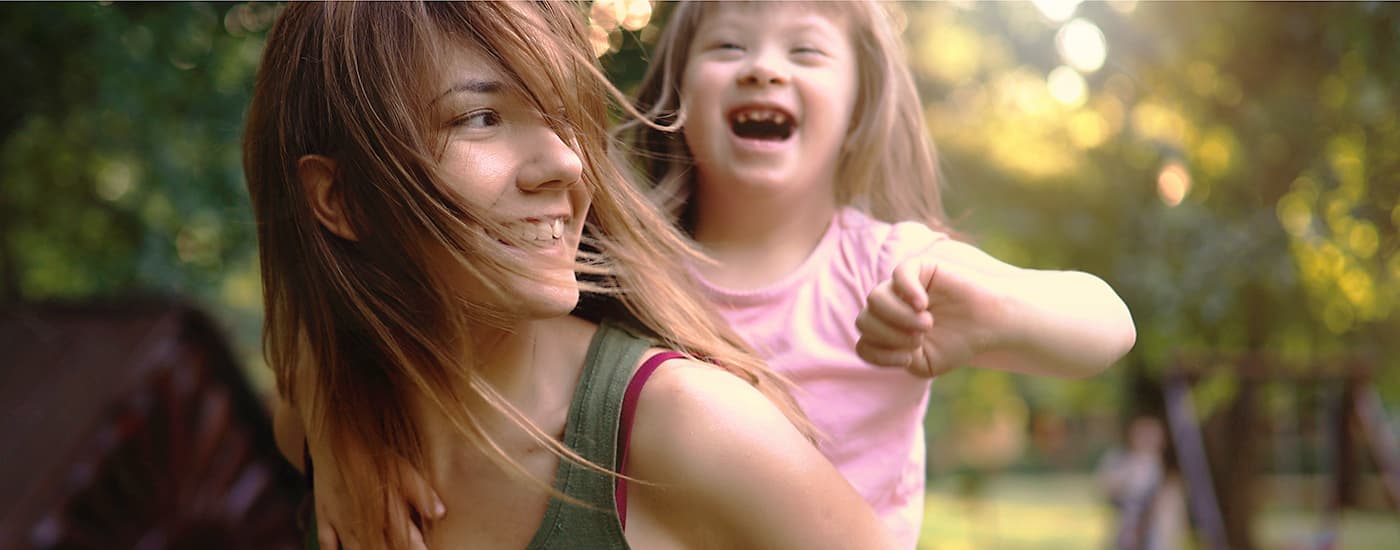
[1231, 169]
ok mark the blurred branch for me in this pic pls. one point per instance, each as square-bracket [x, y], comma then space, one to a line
[9, 273]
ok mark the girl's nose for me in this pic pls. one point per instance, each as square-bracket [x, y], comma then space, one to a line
[551, 165]
[763, 71]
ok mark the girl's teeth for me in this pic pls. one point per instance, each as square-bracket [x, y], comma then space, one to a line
[761, 115]
[556, 228]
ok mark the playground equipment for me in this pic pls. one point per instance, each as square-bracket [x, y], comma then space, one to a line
[1354, 421]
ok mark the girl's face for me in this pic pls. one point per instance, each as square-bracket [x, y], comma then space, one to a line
[768, 91]
[503, 157]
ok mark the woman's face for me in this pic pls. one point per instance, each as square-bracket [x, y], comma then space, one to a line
[502, 156]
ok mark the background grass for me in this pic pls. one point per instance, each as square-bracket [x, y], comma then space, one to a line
[1066, 511]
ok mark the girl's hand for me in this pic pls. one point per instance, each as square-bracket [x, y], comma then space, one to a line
[929, 318]
[957, 305]
[418, 494]
[417, 497]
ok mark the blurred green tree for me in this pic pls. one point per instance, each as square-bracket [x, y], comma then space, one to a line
[1231, 168]
[119, 145]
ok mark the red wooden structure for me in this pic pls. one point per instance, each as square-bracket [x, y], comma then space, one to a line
[131, 426]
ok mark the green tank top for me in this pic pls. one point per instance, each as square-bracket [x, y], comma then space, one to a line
[591, 431]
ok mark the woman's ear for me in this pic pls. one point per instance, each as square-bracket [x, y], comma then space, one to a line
[322, 188]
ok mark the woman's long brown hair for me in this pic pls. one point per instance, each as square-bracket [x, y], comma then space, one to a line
[356, 330]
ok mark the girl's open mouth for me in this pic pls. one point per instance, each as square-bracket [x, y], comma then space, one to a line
[762, 123]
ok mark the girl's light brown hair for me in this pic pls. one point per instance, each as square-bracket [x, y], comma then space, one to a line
[888, 166]
[355, 330]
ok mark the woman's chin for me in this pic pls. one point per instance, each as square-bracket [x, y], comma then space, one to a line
[545, 300]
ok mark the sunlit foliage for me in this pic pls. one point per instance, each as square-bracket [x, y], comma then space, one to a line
[1232, 169]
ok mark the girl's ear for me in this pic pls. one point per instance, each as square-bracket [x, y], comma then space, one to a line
[319, 182]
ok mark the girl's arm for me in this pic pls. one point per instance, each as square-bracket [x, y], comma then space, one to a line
[721, 467]
[957, 305]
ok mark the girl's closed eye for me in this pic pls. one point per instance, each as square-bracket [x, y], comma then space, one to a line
[809, 54]
[725, 46]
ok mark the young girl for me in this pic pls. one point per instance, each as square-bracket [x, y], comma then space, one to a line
[422, 175]
[788, 140]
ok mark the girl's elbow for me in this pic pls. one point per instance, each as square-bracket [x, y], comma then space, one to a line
[1127, 341]
[1125, 334]
[1120, 341]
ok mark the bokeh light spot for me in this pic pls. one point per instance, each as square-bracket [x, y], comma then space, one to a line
[1067, 86]
[948, 52]
[1087, 130]
[1057, 10]
[1338, 316]
[1294, 213]
[1082, 45]
[1215, 151]
[638, 15]
[598, 38]
[1363, 239]
[1173, 183]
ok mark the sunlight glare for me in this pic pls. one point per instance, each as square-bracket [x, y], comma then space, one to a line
[598, 37]
[638, 15]
[1173, 183]
[1082, 45]
[1067, 86]
[1124, 7]
[1294, 212]
[1057, 10]
[1087, 130]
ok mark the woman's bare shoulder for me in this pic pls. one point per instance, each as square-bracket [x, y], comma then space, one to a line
[688, 408]
[714, 446]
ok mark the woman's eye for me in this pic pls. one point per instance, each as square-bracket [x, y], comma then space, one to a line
[477, 120]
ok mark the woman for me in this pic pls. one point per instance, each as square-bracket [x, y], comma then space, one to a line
[422, 175]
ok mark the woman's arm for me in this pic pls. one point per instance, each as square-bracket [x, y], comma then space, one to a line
[957, 305]
[290, 433]
[722, 467]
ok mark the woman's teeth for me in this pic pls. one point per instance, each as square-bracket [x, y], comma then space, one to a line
[542, 230]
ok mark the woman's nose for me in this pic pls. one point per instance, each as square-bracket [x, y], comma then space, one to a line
[553, 164]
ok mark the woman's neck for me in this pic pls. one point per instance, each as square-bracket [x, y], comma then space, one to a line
[506, 358]
[756, 241]
[533, 365]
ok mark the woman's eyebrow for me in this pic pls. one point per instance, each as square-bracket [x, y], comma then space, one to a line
[475, 86]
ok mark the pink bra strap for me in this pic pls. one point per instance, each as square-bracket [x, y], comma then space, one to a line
[624, 428]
